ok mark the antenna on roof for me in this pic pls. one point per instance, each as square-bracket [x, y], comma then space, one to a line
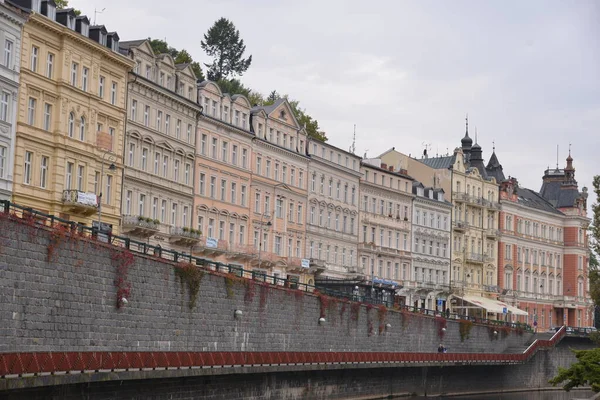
[366, 153]
[569, 149]
[556, 156]
[98, 12]
[353, 147]
[493, 146]
[475, 134]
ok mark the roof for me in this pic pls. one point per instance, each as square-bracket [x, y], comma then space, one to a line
[131, 43]
[270, 108]
[182, 65]
[444, 162]
[532, 199]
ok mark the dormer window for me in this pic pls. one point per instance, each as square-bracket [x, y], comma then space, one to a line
[115, 44]
[102, 39]
[440, 196]
[420, 191]
[85, 29]
[50, 11]
[161, 79]
[148, 72]
[431, 194]
[71, 22]
[282, 114]
[36, 5]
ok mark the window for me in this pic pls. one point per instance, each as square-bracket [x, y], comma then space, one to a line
[128, 202]
[213, 182]
[131, 154]
[176, 170]
[159, 120]
[223, 187]
[147, 115]
[234, 151]
[279, 208]
[74, 71]
[174, 213]
[214, 147]
[47, 116]
[226, 113]
[69, 176]
[144, 159]
[163, 211]
[148, 72]
[31, 111]
[167, 124]
[156, 162]
[49, 65]
[214, 108]
[8, 49]
[97, 182]
[178, 130]
[101, 87]
[202, 183]
[237, 118]
[34, 58]
[161, 79]
[165, 166]
[80, 176]
[233, 192]
[244, 158]
[224, 151]
[43, 170]
[84, 79]
[187, 174]
[27, 168]
[133, 110]
[243, 195]
[2, 160]
[203, 144]
[113, 94]
[82, 129]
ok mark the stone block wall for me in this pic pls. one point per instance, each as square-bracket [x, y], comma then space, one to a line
[69, 304]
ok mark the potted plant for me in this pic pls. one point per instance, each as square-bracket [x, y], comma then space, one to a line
[186, 229]
[140, 218]
[157, 221]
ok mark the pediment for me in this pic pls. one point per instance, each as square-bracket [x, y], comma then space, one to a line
[165, 145]
[146, 48]
[285, 114]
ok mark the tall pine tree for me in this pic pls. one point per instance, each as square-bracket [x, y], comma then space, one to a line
[223, 43]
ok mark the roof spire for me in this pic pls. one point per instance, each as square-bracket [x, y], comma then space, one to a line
[467, 125]
[475, 133]
[493, 146]
[557, 157]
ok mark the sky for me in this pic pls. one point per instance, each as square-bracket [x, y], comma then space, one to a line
[407, 72]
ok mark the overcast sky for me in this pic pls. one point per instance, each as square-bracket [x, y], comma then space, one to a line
[407, 72]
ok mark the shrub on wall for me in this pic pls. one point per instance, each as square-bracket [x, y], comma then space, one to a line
[190, 275]
[355, 311]
[381, 314]
[464, 328]
[122, 260]
[441, 324]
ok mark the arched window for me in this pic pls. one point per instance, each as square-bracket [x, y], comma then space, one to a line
[71, 125]
[82, 130]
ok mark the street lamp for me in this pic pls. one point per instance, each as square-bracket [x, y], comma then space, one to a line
[260, 237]
[111, 167]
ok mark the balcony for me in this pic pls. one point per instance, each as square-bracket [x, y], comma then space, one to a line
[463, 197]
[267, 259]
[81, 203]
[566, 302]
[492, 233]
[183, 236]
[475, 258]
[390, 220]
[460, 225]
[241, 251]
[139, 226]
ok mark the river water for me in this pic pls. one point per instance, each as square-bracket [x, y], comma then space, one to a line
[550, 395]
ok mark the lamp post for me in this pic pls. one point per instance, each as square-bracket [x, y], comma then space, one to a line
[260, 237]
[111, 167]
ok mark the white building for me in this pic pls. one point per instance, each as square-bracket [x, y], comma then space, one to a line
[332, 215]
[11, 24]
[430, 272]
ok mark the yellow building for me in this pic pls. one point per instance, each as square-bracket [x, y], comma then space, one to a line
[69, 139]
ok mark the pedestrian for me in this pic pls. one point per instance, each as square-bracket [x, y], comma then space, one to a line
[447, 313]
[445, 350]
[441, 348]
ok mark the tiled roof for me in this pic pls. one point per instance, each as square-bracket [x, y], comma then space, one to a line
[530, 198]
[444, 162]
[270, 108]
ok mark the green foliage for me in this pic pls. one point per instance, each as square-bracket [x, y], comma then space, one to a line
[585, 372]
[222, 42]
[191, 275]
[464, 328]
[62, 4]
[180, 56]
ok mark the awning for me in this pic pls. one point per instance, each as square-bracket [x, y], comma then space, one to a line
[491, 305]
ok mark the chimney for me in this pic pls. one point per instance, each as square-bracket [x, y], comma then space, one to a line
[391, 169]
[384, 166]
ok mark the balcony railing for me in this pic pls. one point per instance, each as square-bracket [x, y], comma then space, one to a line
[135, 225]
[183, 236]
[474, 257]
[493, 233]
[460, 225]
[79, 202]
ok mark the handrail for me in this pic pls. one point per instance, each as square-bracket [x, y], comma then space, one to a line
[175, 256]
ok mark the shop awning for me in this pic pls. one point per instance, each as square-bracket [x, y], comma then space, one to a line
[491, 305]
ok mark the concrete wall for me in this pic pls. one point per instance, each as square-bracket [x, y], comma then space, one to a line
[69, 304]
[375, 383]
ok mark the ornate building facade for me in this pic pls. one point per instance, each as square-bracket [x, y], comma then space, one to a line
[69, 140]
[427, 284]
[384, 241]
[332, 218]
[11, 25]
[543, 250]
[223, 177]
[160, 142]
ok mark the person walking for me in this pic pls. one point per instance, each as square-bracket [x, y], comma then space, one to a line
[441, 348]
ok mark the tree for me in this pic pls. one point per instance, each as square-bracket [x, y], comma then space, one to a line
[311, 125]
[180, 57]
[594, 241]
[222, 42]
[62, 4]
[585, 372]
[234, 86]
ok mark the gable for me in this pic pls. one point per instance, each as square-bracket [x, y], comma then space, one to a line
[189, 72]
[145, 48]
[167, 60]
[284, 114]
